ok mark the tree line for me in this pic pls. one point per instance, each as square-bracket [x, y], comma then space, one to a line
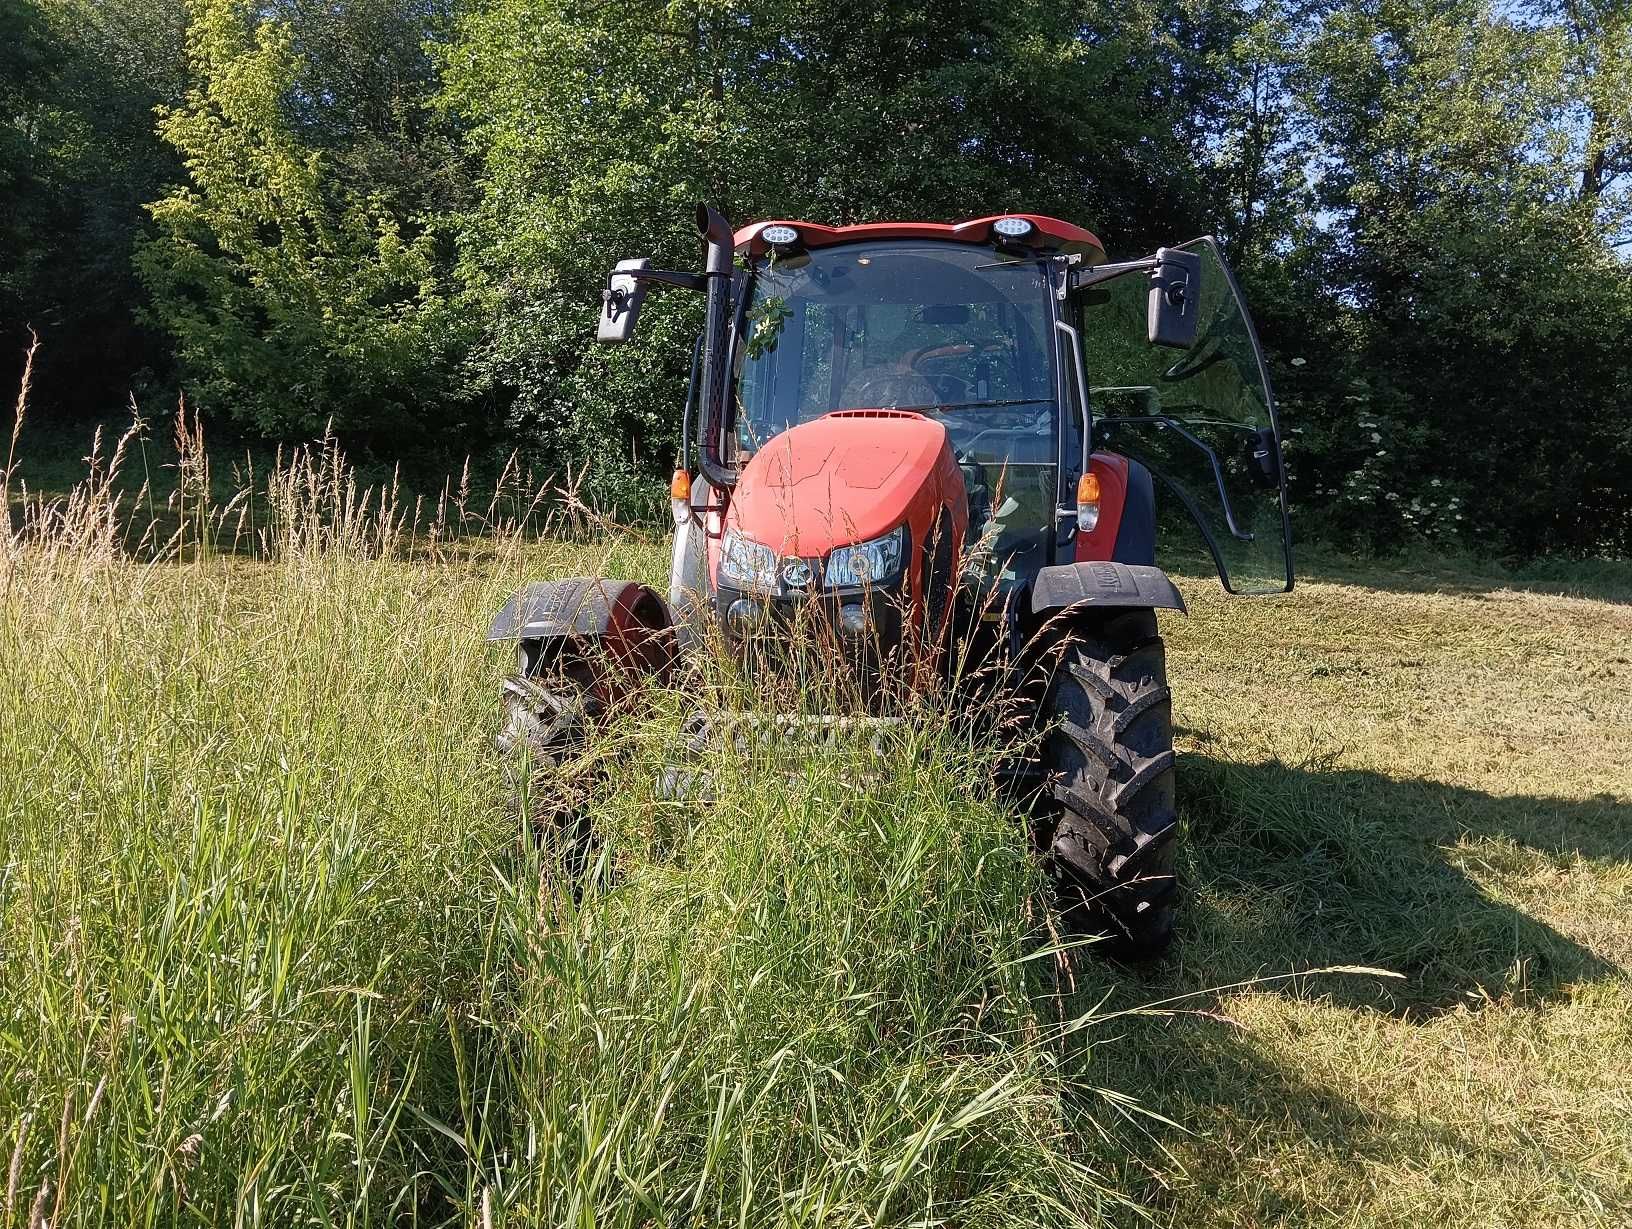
[395, 216]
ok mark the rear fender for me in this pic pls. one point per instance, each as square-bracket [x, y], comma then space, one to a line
[1126, 531]
[587, 621]
[1103, 586]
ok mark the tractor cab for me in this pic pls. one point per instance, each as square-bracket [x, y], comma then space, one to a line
[862, 391]
[949, 331]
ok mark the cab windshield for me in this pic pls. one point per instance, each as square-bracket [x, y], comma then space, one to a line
[949, 330]
[941, 328]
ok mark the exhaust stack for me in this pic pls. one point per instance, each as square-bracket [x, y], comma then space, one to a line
[715, 231]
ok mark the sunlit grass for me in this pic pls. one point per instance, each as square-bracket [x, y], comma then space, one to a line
[275, 951]
[1424, 769]
[271, 950]
[272, 942]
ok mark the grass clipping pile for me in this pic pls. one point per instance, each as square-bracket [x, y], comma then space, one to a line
[272, 949]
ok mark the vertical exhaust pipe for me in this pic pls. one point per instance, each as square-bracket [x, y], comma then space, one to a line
[715, 231]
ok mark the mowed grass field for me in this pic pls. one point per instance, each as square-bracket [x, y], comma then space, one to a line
[271, 952]
[1430, 772]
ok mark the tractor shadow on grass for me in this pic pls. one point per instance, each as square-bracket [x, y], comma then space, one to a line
[1293, 868]
[1596, 580]
[1302, 867]
[1213, 1107]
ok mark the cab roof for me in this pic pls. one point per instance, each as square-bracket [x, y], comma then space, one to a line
[1051, 232]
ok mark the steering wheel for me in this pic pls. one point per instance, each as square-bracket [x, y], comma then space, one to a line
[960, 347]
[939, 352]
[889, 390]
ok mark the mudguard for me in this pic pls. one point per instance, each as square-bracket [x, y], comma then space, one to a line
[620, 617]
[1105, 585]
[581, 606]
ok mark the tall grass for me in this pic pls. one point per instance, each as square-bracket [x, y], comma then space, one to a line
[272, 951]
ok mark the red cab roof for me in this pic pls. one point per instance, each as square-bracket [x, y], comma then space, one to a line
[1053, 233]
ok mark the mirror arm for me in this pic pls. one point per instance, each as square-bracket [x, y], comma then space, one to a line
[662, 277]
[668, 277]
[1082, 279]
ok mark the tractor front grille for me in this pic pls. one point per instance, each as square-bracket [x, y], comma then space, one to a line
[807, 640]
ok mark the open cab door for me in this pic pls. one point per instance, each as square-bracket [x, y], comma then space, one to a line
[1196, 410]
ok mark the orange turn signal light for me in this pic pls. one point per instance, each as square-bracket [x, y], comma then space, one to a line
[680, 486]
[1087, 502]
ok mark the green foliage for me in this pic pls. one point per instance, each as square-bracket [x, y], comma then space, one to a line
[598, 129]
[1483, 325]
[272, 938]
[205, 921]
[823, 1009]
[27, 57]
[295, 299]
[78, 158]
[398, 215]
[274, 950]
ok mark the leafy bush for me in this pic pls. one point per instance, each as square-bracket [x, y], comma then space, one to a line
[295, 299]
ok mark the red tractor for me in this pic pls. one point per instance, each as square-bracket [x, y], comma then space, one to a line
[927, 432]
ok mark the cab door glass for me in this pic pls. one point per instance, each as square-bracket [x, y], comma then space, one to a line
[1202, 420]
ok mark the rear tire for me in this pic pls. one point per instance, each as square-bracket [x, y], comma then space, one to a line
[597, 638]
[1111, 841]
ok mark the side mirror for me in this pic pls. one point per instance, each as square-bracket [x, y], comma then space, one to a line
[620, 302]
[1175, 299]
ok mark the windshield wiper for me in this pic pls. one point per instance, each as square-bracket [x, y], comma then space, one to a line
[975, 405]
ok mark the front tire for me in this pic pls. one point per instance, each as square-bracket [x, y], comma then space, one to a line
[546, 720]
[1111, 840]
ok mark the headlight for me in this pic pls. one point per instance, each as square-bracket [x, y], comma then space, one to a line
[867, 563]
[747, 564]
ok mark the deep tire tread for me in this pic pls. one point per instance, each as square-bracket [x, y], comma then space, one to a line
[1088, 678]
[1125, 793]
[1139, 707]
[553, 818]
[1109, 757]
[1089, 742]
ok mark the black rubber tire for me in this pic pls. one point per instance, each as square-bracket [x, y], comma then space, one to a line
[1111, 842]
[545, 727]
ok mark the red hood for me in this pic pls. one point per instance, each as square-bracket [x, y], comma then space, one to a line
[843, 478]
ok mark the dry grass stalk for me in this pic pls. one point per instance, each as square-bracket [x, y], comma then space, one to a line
[20, 413]
[15, 1173]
